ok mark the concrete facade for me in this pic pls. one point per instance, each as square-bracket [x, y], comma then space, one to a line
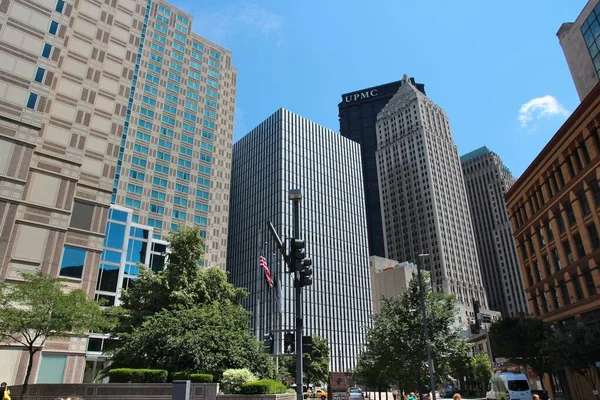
[580, 41]
[425, 208]
[389, 278]
[285, 152]
[105, 102]
[554, 209]
[487, 180]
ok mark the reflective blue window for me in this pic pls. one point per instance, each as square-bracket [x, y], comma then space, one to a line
[178, 215]
[211, 92]
[72, 262]
[163, 169]
[165, 143]
[32, 101]
[173, 87]
[203, 169]
[208, 124]
[155, 223]
[60, 5]
[163, 156]
[183, 175]
[135, 218]
[159, 181]
[179, 37]
[193, 85]
[170, 108]
[133, 203]
[205, 158]
[180, 201]
[182, 188]
[136, 252]
[117, 215]
[53, 28]
[39, 75]
[138, 233]
[187, 139]
[150, 89]
[207, 146]
[184, 163]
[171, 98]
[132, 269]
[158, 195]
[149, 100]
[139, 162]
[141, 149]
[162, 19]
[108, 277]
[201, 207]
[210, 113]
[203, 182]
[167, 132]
[174, 76]
[156, 209]
[208, 135]
[202, 194]
[185, 151]
[46, 50]
[200, 220]
[188, 127]
[214, 64]
[115, 236]
[214, 54]
[197, 46]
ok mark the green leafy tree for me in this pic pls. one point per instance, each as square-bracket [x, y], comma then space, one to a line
[524, 341]
[396, 342]
[41, 308]
[186, 318]
[482, 368]
[315, 365]
[578, 349]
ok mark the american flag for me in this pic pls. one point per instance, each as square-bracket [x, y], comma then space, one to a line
[262, 263]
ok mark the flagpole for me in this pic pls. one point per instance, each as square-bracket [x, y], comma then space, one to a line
[257, 292]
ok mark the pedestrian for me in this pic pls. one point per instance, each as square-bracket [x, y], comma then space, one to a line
[411, 396]
[4, 391]
[535, 397]
[459, 397]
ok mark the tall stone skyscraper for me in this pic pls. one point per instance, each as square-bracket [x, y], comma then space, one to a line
[487, 180]
[107, 109]
[423, 195]
[285, 152]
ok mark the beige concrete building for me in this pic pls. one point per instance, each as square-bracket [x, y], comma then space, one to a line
[105, 101]
[389, 278]
[580, 41]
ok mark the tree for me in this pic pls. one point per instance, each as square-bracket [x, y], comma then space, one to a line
[482, 368]
[315, 365]
[40, 308]
[578, 349]
[524, 341]
[186, 318]
[396, 342]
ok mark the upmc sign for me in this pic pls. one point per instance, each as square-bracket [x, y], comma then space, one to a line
[360, 96]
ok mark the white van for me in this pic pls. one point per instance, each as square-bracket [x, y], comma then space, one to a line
[509, 385]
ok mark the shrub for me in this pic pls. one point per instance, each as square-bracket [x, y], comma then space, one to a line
[130, 375]
[196, 378]
[201, 378]
[234, 379]
[263, 386]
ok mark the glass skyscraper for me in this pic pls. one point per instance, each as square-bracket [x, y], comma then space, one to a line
[287, 152]
[108, 110]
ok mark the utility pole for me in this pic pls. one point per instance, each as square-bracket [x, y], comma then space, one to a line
[295, 195]
[425, 328]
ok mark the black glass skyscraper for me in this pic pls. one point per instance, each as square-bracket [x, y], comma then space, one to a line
[358, 113]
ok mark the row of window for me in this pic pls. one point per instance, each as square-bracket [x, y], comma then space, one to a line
[575, 160]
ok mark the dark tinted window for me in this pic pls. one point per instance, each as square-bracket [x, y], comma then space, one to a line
[82, 215]
[518, 386]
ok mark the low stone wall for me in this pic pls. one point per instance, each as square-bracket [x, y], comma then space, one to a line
[115, 391]
[285, 396]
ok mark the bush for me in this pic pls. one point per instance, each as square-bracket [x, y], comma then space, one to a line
[234, 379]
[196, 378]
[201, 378]
[263, 386]
[131, 375]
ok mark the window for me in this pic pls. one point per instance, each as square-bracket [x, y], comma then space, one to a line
[567, 250]
[163, 169]
[214, 64]
[196, 55]
[187, 139]
[183, 20]
[200, 220]
[564, 291]
[589, 282]
[181, 28]
[549, 230]
[182, 188]
[207, 146]
[173, 87]
[159, 181]
[210, 114]
[214, 54]
[202, 194]
[82, 215]
[201, 207]
[73, 260]
[577, 286]
[149, 100]
[160, 28]
[155, 223]
[156, 57]
[163, 156]
[155, 194]
[210, 103]
[152, 78]
[583, 203]
[208, 124]
[208, 135]
[138, 161]
[196, 65]
[52, 367]
[157, 47]
[175, 67]
[150, 89]
[133, 203]
[197, 46]
[60, 5]
[560, 222]
[595, 187]
[169, 108]
[177, 214]
[212, 82]
[162, 19]
[171, 98]
[214, 74]
[156, 209]
[163, 10]
[193, 85]
[579, 245]
[137, 175]
[556, 259]
[191, 95]
[180, 201]
[205, 158]
[142, 123]
[166, 132]
[53, 27]
[154, 68]
[168, 120]
[189, 116]
[183, 175]
[570, 214]
[593, 235]
[188, 127]
[184, 163]
[165, 144]
[203, 182]
[179, 37]
[159, 38]
[186, 151]
[32, 101]
[174, 77]
[146, 112]
[136, 189]
[203, 169]
[39, 75]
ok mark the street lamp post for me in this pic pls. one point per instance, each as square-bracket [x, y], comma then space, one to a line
[425, 328]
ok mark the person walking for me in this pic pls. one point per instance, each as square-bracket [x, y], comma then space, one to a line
[4, 392]
[457, 397]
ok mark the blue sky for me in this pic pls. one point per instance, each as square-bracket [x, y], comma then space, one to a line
[482, 61]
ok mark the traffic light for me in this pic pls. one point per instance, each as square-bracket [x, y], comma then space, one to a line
[307, 344]
[288, 343]
[300, 263]
[269, 341]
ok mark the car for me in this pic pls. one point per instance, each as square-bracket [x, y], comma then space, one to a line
[448, 391]
[316, 394]
[355, 393]
[509, 385]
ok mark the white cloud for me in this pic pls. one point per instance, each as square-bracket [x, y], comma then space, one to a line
[239, 17]
[541, 107]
